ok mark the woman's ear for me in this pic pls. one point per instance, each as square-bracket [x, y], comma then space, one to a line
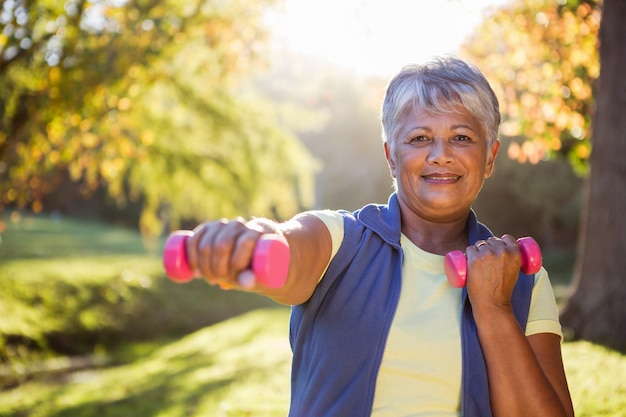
[390, 159]
[491, 158]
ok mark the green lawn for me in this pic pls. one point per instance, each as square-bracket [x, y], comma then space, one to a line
[240, 367]
[236, 368]
[78, 288]
[28, 236]
[597, 379]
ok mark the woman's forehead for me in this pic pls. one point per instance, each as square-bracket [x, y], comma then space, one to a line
[418, 112]
[418, 117]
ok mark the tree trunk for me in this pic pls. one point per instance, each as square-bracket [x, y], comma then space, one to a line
[596, 310]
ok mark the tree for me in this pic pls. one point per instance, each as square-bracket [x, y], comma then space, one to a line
[542, 58]
[596, 310]
[144, 97]
[546, 67]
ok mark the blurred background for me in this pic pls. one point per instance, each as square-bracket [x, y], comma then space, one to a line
[122, 120]
[152, 115]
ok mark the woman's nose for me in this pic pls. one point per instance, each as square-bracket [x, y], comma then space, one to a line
[440, 152]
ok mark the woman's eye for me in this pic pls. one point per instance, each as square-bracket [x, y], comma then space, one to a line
[463, 138]
[418, 139]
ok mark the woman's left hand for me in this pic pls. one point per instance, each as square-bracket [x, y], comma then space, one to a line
[493, 266]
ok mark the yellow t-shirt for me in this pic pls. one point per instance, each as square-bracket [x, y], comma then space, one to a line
[420, 374]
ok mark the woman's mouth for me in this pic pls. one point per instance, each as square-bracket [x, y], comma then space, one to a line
[441, 178]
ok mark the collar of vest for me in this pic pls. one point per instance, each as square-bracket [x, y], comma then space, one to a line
[385, 221]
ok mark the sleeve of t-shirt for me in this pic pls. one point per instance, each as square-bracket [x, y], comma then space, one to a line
[543, 316]
[334, 223]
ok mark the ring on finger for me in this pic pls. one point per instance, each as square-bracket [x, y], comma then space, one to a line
[225, 285]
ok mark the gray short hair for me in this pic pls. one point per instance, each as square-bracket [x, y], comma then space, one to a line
[441, 85]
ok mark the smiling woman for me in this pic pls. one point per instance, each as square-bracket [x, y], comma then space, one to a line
[376, 328]
[377, 37]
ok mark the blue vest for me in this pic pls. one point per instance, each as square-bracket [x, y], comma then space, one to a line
[338, 336]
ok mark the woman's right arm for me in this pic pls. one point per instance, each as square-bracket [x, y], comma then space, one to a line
[220, 251]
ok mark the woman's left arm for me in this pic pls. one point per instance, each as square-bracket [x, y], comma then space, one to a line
[526, 375]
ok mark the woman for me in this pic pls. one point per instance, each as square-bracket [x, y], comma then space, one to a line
[376, 329]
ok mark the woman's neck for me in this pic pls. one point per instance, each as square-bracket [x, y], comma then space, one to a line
[433, 235]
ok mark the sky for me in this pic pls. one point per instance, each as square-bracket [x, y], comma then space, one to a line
[377, 37]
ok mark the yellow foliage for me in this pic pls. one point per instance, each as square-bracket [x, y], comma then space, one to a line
[54, 75]
[144, 101]
[124, 104]
[543, 73]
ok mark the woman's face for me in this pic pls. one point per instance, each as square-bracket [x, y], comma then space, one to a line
[440, 163]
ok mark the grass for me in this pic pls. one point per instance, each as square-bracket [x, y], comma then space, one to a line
[240, 367]
[597, 379]
[79, 288]
[100, 299]
[27, 236]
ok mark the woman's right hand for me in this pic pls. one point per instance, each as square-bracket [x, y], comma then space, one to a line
[220, 251]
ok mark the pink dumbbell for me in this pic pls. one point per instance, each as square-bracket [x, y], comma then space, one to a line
[270, 260]
[455, 263]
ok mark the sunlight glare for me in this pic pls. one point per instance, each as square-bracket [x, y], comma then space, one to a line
[377, 37]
